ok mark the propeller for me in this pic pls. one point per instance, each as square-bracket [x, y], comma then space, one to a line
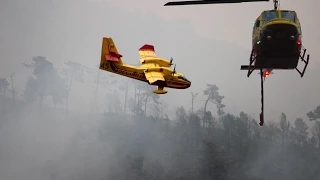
[174, 69]
[171, 59]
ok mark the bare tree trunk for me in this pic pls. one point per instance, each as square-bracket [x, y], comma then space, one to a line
[4, 104]
[40, 105]
[125, 100]
[145, 106]
[54, 102]
[135, 99]
[12, 88]
[96, 92]
[193, 96]
[167, 129]
[205, 111]
[192, 104]
[69, 88]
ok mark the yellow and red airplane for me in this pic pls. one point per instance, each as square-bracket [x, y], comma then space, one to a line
[153, 70]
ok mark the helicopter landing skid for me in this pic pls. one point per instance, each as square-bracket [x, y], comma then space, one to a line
[306, 61]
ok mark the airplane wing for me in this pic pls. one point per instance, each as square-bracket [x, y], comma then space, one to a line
[146, 51]
[154, 76]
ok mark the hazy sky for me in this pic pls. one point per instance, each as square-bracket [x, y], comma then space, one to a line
[208, 43]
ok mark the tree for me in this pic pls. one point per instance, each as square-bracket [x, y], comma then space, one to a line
[315, 114]
[155, 169]
[284, 127]
[181, 115]
[137, 166]
[3, 88]
[44, 82]
[148, 95]
[12, 90]
[59, 91]
[316, 132]
[243, 130]
[100, 79]
[136, 102]
[300, 131]
[158, 109]
[4, 84]
[142, 95]
[195, 125]
[193, 95]
[212, 96]
[228, 121]
[212, 163]
[74, 71]
[125, 85]
[113, 102]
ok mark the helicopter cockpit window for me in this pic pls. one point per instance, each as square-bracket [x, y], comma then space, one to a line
[288, 15]
[267, 16]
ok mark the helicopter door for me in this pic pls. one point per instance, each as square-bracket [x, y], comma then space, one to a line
[256, 27]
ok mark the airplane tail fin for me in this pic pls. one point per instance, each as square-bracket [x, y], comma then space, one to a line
[109, 51]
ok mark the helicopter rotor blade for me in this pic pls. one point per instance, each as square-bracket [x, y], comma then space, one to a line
[180, 3]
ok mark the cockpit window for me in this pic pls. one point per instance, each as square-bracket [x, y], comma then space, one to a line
[267, 16]
[288, 15]
[184, 78]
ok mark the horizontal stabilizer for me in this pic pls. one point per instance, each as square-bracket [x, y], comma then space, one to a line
[112, 56]
[180, 3]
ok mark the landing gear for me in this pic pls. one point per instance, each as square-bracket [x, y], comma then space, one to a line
[160, 90]
[306, 62]
[250, 68]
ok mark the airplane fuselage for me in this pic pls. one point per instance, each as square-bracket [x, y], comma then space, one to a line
[138, 74]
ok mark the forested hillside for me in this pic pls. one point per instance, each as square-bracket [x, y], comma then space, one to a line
[136, 140]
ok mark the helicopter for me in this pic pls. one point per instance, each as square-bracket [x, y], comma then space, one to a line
[276, 41]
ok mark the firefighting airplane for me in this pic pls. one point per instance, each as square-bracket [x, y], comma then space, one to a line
[153, 70]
